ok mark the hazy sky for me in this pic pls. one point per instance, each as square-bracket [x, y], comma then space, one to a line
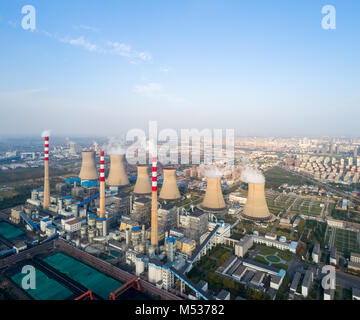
[103, 67]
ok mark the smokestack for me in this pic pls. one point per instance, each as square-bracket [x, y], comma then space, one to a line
[88, 167]
[213, 199]
[154, 205]
[46, 174]
[102, 184]
[117, 176]
[142, 185]
[256, 207]
[169, 190]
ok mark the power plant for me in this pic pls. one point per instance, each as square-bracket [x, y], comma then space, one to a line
[142, 186]
[46, 201]
[88, 166]
[213, 200]
[160, 240]
[117, 176]
[169, 189]
[256, 207]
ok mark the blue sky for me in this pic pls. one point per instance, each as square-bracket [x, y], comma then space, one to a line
[103, 67]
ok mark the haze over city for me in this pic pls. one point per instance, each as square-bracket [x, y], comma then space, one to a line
[94, 68]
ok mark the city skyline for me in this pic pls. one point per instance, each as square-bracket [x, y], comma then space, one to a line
[261, 69]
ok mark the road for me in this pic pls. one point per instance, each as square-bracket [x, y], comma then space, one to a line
[346, 280]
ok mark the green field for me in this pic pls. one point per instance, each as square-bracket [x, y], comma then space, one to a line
[46, 288]
[276, 176]
[273, 255]
[278, 202]
[89, 277]
[8, 231]
[346, 241]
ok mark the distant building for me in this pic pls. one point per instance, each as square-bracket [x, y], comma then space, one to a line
[355, 257]
[203, 285]
[356, 294]
[307, 283]
[316, 253]
[223, 295]
[72, 225]
[276, 282]
[329, 294]
[333, 256]
[243, 245]
[295, 282]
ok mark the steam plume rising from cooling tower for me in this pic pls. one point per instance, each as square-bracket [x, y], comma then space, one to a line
[251, 175]
[115, 146]
[210, 171]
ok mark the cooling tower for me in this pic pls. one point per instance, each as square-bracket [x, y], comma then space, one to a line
[46, 175]
[213, 199]
[88, 167]
[169, 190]
[117, 176]
[142, 185]
[256, 207]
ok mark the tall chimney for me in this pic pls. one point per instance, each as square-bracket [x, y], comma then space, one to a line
[46, 175]
[117, 176]
[256, 207]
[142, 185]
[213, 199]
[102, 184]
[88, 167]
[169, 189]
[154, 205]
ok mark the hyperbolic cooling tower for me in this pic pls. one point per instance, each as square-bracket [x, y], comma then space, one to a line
[117, 176]
[169, 190]
[88, 167]
[142, 185]
[213, 199]
[256, 207]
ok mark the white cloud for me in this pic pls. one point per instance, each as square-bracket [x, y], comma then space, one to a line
[151, 89]
[125, 50]
[156, 90]
[83, 43]
[86, 27]
[165, 69]
[22, 92]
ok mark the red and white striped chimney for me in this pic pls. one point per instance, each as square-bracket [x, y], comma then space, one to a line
[46, 201]
[154, 205]
[102, 184]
